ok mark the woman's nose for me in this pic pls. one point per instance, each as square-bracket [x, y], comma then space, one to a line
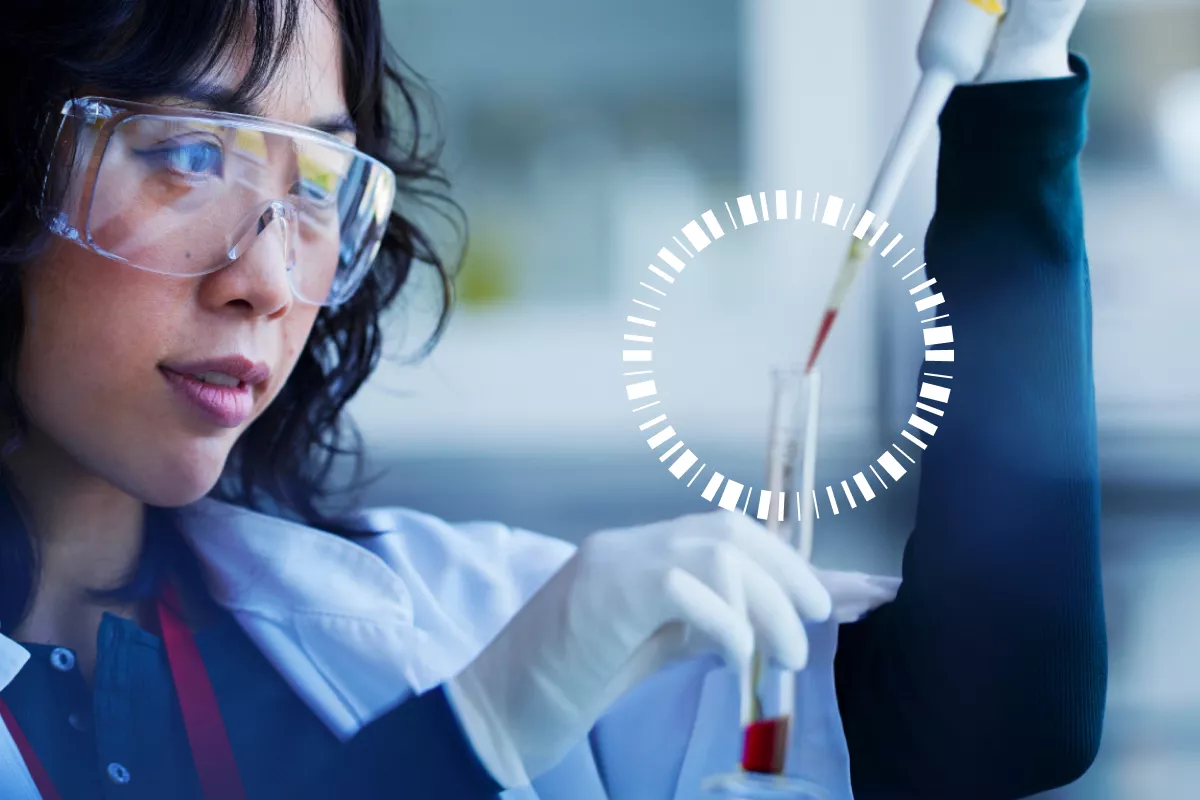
[257, 278]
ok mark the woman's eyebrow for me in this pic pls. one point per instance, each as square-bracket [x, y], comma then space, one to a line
[219, 98]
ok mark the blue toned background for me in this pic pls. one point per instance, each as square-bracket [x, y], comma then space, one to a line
[582, 135]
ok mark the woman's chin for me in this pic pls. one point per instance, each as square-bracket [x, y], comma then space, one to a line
[172, 492]
[176, 494]
[175, 480]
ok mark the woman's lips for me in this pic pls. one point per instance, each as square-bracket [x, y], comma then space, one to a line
[226, 406]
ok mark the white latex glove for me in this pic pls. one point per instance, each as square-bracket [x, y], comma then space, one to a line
[628, 602]
[1031, 43]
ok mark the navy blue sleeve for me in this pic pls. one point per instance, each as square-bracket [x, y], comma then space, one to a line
[986, 677]
[416, 750]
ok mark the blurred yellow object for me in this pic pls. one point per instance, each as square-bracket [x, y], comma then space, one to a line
[487, 276]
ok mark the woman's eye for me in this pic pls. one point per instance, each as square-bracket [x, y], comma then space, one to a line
[188, 159]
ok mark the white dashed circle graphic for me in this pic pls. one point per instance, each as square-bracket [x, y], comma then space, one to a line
[638, 355]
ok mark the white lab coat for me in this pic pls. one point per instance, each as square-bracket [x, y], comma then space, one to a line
[356, 626]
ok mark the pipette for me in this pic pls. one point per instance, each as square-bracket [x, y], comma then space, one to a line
[954, 46]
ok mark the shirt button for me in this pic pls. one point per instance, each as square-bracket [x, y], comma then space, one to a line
[77, 721]
[62, 659]
[118, 774]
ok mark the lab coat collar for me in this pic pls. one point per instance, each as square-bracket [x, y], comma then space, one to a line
[270, 566]
[332, 617]
[12, 657]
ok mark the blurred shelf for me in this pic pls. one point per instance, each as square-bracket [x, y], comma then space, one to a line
[550, 380]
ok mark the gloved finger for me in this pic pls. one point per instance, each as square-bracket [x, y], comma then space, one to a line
[702, 559]
[715, 563]
[694, 602]
[753, 593]
[777, 627]
[1032, 22]
[789, 569]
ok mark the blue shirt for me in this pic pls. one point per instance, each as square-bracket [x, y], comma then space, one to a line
[128, 725]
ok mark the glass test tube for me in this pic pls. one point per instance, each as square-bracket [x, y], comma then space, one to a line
[767, 690]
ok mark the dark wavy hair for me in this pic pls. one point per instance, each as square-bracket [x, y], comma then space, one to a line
[52, 50]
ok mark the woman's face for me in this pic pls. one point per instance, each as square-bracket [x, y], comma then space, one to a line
[108, 351]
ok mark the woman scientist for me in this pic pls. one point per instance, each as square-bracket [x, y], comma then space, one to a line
[199, 232]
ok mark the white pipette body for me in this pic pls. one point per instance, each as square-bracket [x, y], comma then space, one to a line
[953, 49]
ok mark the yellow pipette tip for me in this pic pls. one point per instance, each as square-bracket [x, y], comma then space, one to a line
[995, 7]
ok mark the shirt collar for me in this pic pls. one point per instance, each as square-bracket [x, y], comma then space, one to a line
[299, 593]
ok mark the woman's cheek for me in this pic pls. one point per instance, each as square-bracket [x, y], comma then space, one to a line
[88, 377]
[91, 333]
[297, 327]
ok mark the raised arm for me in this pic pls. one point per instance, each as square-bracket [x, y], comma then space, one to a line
[986, 676]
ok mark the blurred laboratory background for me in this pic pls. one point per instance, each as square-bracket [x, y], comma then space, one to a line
[581, 136]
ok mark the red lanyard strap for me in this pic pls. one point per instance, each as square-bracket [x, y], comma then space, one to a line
[41, 778]
[209, 741]
[211, 751]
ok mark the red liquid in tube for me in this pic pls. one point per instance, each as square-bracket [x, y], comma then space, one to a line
[765, 746]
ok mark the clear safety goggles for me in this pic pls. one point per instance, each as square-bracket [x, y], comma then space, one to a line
[185, 192]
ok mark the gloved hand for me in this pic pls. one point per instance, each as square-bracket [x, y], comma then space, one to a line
[1031, 43]
[624, 605]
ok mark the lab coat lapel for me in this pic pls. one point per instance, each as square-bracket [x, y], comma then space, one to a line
[12, 658]
[15, 780]
[332, 617]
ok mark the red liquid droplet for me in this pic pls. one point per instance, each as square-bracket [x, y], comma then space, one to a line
[822, 334]
[765, 746]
